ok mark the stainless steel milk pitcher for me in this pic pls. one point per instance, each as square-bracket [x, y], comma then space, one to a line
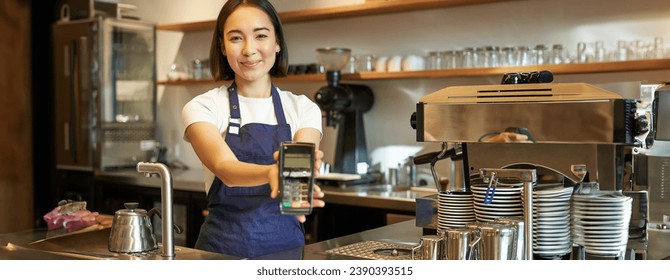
[460, 243]
[498, 242]
[431, 247]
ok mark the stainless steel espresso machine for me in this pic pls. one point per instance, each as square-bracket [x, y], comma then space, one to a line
[579, 136]
[650, 165]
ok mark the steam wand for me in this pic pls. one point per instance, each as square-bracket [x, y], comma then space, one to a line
[434, 157]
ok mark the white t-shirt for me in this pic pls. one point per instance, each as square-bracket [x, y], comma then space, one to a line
[213, 107]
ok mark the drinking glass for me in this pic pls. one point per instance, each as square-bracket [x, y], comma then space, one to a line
[468, 58]
[599, 51]
[449, 59]
[582, 56]
[659, 48]
[506, 56]
[557, 55]
[522, 56]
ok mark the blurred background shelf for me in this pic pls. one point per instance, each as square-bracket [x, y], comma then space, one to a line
[556, 69]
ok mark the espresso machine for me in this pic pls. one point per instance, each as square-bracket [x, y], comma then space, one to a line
[579, 136]
[651, 160]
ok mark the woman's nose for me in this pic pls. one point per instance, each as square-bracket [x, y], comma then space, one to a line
[249, 48]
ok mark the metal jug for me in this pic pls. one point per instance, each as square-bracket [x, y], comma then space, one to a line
[132, 231]
[497, 242]
[408, 172]
[520, 243]
[431, 248]
[460, 243]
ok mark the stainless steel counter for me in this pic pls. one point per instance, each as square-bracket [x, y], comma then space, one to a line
[380, 196]
[376, 196]
[83, 245]
[34, 245]
[404, 234]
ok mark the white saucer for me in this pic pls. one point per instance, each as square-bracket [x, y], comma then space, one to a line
[552, 211]
[455, 206]
[499, 204]
[499, 197]
[456, 210]
[508, 191]
[455, 198]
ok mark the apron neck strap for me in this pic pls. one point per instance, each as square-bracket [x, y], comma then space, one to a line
[235, 116]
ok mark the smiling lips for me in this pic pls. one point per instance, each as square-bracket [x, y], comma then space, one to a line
[250, 63]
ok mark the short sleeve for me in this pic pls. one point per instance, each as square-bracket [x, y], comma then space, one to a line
[207, 107]
[311, 116]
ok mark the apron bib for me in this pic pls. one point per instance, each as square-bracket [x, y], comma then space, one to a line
[244, 221]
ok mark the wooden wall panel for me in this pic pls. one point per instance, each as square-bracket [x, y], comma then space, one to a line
[16, 187]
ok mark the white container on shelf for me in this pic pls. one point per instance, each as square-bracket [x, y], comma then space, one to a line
[394, 64]
[380, 64]
[413, 63]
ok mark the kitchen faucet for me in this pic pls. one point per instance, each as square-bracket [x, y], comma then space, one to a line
[166, 202]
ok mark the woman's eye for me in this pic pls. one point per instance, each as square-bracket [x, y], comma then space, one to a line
[262, 36]
[234, 38]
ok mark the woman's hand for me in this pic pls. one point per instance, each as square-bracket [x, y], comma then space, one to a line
[316, 202]
[508, 137]
[273, 178]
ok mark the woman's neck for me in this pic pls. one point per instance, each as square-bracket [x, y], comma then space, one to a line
[261, 88]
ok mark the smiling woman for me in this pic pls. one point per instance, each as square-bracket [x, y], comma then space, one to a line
[16, 185]
[236, 131]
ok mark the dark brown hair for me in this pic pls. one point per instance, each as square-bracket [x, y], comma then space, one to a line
[221, 70]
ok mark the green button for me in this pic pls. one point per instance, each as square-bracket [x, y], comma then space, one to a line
[287, 204]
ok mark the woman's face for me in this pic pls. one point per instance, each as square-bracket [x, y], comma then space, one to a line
[249, 43]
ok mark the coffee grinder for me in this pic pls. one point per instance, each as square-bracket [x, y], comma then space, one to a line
[343, 106]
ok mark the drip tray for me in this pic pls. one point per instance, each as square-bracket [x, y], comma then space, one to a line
[375, 250]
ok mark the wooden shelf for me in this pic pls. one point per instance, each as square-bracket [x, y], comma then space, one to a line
[559, 69]
[366, 9]
[556, 69]
[290, 78]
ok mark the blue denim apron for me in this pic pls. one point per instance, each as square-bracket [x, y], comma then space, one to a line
[244, 221]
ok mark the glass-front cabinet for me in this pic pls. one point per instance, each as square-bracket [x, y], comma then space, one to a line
[105, 93]
[128, 111]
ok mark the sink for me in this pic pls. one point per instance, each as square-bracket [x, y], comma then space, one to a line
[92, 245]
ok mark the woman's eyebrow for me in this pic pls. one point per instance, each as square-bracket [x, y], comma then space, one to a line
[233, 31]
[255, 30]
